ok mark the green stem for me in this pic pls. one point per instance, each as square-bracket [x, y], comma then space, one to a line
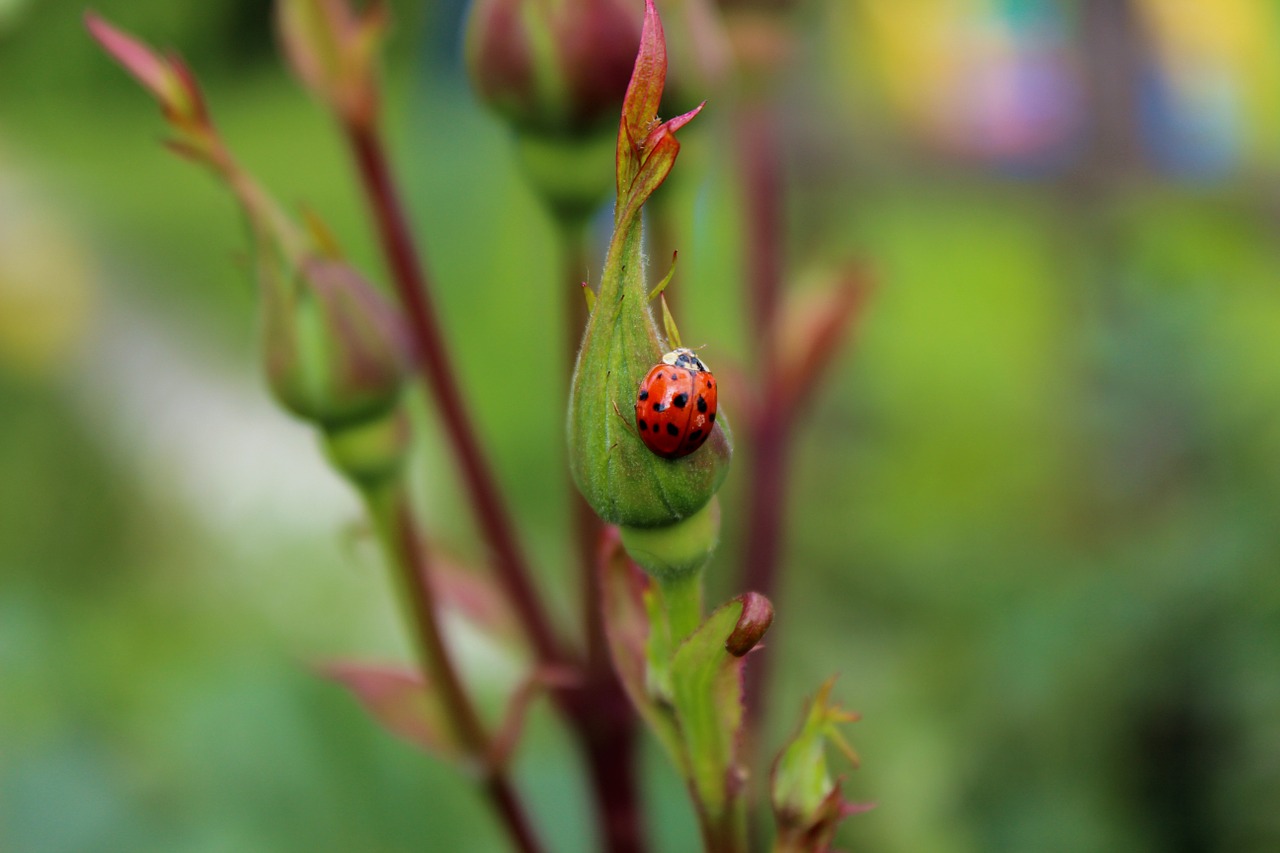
[683, 599]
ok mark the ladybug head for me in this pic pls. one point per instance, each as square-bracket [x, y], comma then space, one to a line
[684, 357]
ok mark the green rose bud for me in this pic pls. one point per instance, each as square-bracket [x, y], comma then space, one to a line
[622, 480]
[332, 349]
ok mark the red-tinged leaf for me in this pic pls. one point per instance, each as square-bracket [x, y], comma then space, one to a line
[144, 64]
[167, 78]
[623, 587]
[644, 94]
[672, 125]
[654, 169]
[706, 684]
[813, 333]
[473, 594]
[399, 699]
[757, 616]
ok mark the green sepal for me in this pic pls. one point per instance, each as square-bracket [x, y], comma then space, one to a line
[674, 551]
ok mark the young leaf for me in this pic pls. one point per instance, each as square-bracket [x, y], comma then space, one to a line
[706, 681]
[165, 77]
[807, 801]
[401, 701]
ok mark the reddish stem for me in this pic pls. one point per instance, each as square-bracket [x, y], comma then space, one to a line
[606, 733]
[768, 429]
[411, 283]
[411, 559]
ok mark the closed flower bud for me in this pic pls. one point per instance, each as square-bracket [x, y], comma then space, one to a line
[333, 349]
[556, 71]
[621, 478]
[553, 67]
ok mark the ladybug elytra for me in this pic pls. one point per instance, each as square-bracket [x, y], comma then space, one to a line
[676, 405]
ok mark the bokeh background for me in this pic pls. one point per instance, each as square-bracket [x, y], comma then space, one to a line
[1034, 514]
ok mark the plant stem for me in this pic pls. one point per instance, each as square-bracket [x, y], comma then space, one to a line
[682, 599]
[409, 275]
[403, 542]
[760, 161]
[607, 736]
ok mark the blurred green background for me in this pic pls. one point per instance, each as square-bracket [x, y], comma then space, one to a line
[1034, 512]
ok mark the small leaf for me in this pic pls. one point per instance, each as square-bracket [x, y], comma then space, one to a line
[657, 158]
[669, 325]
[757, 616]
[807, 801]
[165, 77]
[666, 279]
[473, 594]
[707, 695]
[400, 700]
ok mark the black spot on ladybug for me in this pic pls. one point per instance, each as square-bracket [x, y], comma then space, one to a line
[672, 429]
[644, 395]
[702, 403]
[695, 435]
[658, 407]
[712, 417]
[643, 426]
[679, 400]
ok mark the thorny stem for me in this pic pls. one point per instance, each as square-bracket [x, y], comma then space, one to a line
[760, 160]
[411, 283]
[390, 509]
[605, 720]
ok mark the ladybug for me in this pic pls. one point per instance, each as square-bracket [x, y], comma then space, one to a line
[676, 405]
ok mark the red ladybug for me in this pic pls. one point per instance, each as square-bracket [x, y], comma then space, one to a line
[676, 406]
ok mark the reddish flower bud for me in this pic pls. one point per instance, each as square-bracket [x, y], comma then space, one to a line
[333, 48]
[553, 68]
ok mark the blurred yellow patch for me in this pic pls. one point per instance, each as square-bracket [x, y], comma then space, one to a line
[46, 291]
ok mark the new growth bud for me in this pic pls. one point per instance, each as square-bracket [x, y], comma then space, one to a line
[332, 48]
[333, 350]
